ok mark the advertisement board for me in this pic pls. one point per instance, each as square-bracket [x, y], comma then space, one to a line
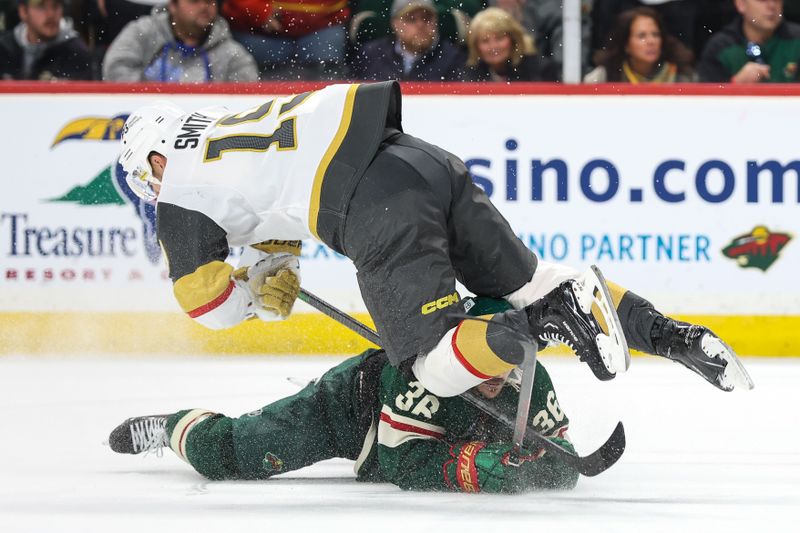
[690, 201]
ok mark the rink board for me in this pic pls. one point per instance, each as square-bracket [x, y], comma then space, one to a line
[302, 333]
[698, 214]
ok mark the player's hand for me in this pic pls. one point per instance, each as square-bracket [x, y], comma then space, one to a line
[277, 293]
[273, 283]
[751, 73]
[490, 463]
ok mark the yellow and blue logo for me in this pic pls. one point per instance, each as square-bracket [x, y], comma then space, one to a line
[108, 186]
[92, 129]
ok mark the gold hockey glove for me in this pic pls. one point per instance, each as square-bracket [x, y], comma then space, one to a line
[278, 292]
[273, 284]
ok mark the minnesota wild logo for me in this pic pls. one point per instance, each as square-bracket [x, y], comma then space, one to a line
[272, 463]
[757, 249]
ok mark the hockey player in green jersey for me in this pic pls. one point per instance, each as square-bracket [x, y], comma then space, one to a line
[335, 165]
[370, 412]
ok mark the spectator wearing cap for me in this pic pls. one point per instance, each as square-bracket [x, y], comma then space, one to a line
[186, 42]
[43, 46]
[304, 39]
[758, 46]
[414, 51]
[372, 19]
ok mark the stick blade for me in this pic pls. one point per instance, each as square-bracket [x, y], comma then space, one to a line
[593, 464]
[605, 456]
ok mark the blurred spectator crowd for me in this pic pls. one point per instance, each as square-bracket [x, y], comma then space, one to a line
[197, 41]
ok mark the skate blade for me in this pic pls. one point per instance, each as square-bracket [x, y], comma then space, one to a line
[735, 375]
[613, 346]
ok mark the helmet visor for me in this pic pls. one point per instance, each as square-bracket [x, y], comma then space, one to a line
[141, 182]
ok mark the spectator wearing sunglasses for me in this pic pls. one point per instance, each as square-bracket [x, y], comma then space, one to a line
[758, 46]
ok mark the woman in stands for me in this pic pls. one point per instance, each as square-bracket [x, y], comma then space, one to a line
[639, 50]
[501, 50]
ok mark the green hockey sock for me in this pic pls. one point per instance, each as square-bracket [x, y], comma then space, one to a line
[204, 440]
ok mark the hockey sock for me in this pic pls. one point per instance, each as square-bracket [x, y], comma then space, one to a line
[472, 352]
[639, 322]
[205, 441]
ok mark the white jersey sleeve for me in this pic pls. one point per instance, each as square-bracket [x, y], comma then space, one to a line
[265, 173]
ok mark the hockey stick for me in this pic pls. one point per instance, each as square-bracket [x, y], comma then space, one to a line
[528, 367]
[340, 316]
[590, 465]
[524, 401]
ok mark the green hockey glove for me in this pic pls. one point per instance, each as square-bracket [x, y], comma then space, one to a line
[484, 467]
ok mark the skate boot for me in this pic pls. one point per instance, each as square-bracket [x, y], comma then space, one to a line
[140, 434]
[699, 349]
[580, 314]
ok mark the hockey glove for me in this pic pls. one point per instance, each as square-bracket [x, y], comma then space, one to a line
[484, 467]
[273, 284]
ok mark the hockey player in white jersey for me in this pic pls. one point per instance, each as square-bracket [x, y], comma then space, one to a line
[334, 165]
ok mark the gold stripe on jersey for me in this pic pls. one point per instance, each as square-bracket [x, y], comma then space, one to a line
[203, 286]
[247, 116]
[617, 293]
[316, 191]
[472, 349]
[276, 247]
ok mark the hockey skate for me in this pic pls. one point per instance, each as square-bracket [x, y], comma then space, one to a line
[580, 314]
[140, 434]
[699, 349]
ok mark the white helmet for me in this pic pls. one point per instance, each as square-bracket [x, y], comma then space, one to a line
[149, 129]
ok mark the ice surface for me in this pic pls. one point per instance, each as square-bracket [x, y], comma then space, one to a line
[698, 459]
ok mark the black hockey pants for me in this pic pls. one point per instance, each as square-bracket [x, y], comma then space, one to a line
[415, 225]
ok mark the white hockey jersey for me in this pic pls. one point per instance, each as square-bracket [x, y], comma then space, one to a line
[283, 170]
[255, 173]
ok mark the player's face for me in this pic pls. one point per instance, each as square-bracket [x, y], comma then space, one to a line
[490, 388]
[494, 48]
[194, 16]
[764, 15]
[43, 19]
[416, 30]
[644, 44]
[157, 164]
